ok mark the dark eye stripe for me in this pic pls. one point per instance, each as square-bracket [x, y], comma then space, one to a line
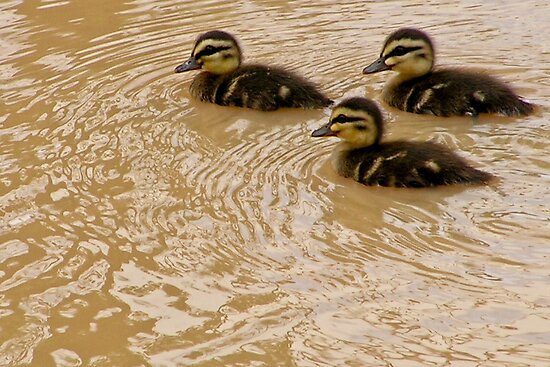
[342, 119]
[211, 51]
[400, 51]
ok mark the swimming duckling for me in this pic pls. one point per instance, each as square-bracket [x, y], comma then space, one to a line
[225, 82]
[442, 92]
[399, 163]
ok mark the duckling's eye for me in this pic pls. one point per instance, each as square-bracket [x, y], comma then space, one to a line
[399, 50]
[341, 118]
[209, 49]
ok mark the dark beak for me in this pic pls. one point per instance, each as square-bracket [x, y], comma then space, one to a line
[190, 64]
[323, 131]
[378, 65]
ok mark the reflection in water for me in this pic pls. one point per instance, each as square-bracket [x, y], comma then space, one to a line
[140, 227]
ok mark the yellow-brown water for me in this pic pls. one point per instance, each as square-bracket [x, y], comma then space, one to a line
[142, 228]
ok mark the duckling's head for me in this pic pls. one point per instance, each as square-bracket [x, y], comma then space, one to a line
[408, 51]
[356, 120]
[217, 52]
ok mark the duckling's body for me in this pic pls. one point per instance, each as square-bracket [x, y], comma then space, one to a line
[258, 87]
[405, 164]
[452, 92]
[418, 88]
[396, 164]
[226, 82]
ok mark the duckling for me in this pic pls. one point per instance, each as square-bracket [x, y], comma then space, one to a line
[226, 82]
[443, 92]
[363, 157]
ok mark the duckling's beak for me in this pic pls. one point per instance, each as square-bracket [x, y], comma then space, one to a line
[323, 131]
[190, 64]
[378, 65]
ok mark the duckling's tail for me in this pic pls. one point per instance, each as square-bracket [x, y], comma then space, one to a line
[524, 107]
[514, 105]
[479, 177]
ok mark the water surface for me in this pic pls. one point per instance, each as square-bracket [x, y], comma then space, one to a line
[142, 228]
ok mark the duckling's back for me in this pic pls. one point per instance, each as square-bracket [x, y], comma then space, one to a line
[407, 164]
[451, 92]
[258, 87]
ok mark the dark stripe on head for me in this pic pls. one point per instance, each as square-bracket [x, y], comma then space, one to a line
[400, 51]
[409, 33]
[211, 50]
[340, 119]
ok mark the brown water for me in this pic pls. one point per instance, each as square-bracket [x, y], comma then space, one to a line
[142, 228]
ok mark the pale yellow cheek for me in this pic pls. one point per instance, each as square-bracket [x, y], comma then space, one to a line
[411, 65]
[219, 65]
[359, 138]
[349, 135]
[391, 61]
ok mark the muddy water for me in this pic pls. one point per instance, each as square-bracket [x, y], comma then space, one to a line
[142, 228]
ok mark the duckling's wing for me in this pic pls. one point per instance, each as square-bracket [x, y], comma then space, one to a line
[450, 92]
[268, 88]
[409, 164]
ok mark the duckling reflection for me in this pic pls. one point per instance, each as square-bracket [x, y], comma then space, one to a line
[226, 82]
[363, 157]
[443, 92]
